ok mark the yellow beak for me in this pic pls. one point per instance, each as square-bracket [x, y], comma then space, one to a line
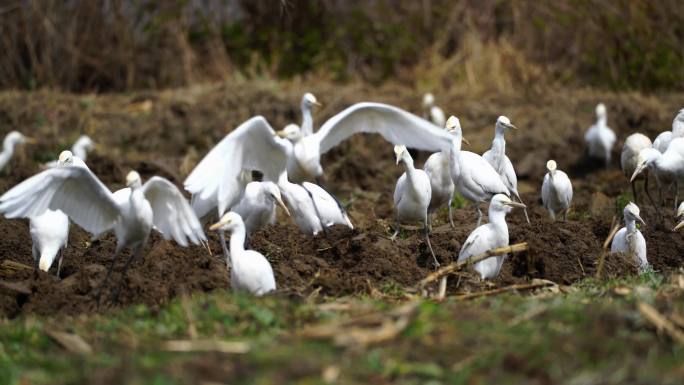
[515, 204]
[30, 140]
[679, 226]
[281, 134]
[282, 204]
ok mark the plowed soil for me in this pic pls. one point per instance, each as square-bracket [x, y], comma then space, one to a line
[167, 133]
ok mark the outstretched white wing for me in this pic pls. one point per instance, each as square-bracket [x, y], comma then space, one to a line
[73, 189]
[394, 124]
[172, 215]
[251, 146]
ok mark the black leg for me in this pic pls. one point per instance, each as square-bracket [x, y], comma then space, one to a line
[648, 194]
[117, 290]
[634, 193]
[106, 280]
[427, 239]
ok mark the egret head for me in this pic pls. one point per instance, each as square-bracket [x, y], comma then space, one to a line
[85, 142]
[646, 159]
[273, 192]
[428, 100]
[399, 151]
[501, 202]
[133, 179]
[65, 158]
[228, 222]
[16, 137]
[291, 132]
[601, 111]
[309, 100]
[631, 212]
[453, 126]
[502, 122]
[551, 166]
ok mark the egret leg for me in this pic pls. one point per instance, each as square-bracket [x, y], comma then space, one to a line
[226, 253]
[59, 263]
[648, 195]
[36, 259]
[552, 214]
[634, 193]
[451, 217]
[427, 239]
[527, 218]
[117, 291]
[396, 231]
[479, 214]
[109, 274]
[676, 184]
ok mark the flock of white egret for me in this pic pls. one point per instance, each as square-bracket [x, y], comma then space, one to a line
[288, 160]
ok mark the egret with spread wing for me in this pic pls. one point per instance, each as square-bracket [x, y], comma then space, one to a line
[397, 126]
[131, 212]
[496, 156]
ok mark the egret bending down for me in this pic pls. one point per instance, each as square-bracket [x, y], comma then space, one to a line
[556, 191]
[496, 156]
[629, 158]
[131, 212]
[490, 236]
[667, 167]
[9, 143]
[412, 195]
[249, 270]
[599, 137]
[258, 205]
[629, 239]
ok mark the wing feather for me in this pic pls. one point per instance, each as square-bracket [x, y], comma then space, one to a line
[394, 124]
[73, 189]
[172, 215]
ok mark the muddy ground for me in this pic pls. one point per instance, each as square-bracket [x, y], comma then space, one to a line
[166, 133]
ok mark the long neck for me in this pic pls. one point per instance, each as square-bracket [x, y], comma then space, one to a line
[498, 149]
[407, 161]
[631, 226]
[8, 148]
[307, 119]
[602, 121]
[237, 240]
[455, 158]
[498, 219]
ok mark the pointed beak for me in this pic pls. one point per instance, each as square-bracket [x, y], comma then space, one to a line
[281, 133]
[679, 226]
[515, 204]
[30, 140]
[282, 204]
[464, 140]
[398, 158]
[216, 226]
[318, 104]
[638, 218]
[511, 126]
[638, 171]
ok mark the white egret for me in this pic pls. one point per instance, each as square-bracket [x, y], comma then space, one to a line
[496, 156]
[629, 239]
[131, 212]
[679, 216]
[307, 105]
[258, 205]
[432, 112]
[667, 167]
[9, 143]
[629, 157]
[438, 170]
[82, 146]
[474, 178]
[312, 208]
[599, 137]
[394, 124]
[249, 270]
[50, 234]
[662, 141]
[556, 191]
[412, 196]
[490, 236]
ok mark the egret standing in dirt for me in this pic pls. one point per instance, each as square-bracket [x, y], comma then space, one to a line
[432, 112]
[11, 140]
[474, 178]
[412, 196]
[629, 158]
[667, 167]
[438, 169]
[249, 270]
[629, 239]
[397, 126]
[131, 212]
[490, 236]
[258, 205]
[599, 137]
[496, 156]
[556, 191]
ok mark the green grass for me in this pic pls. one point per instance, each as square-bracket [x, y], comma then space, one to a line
[588, 335]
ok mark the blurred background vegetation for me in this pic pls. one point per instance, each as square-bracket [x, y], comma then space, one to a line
[118, 45]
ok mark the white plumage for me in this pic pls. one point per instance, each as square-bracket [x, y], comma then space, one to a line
[307, 105]
[258, 205]
[9, 143]
[131, 212]
[394, 124]
[432, 112]
[412, 195]
[496, 156]
[49, 234]
[600, 138]
[663, 140]
[667, 167]
[250, 271]
[490, 236]
[438, 170]
[82, 146]
[556, 191]
[679, 216]
[474, 178]
[629, 239]
[630, 154]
